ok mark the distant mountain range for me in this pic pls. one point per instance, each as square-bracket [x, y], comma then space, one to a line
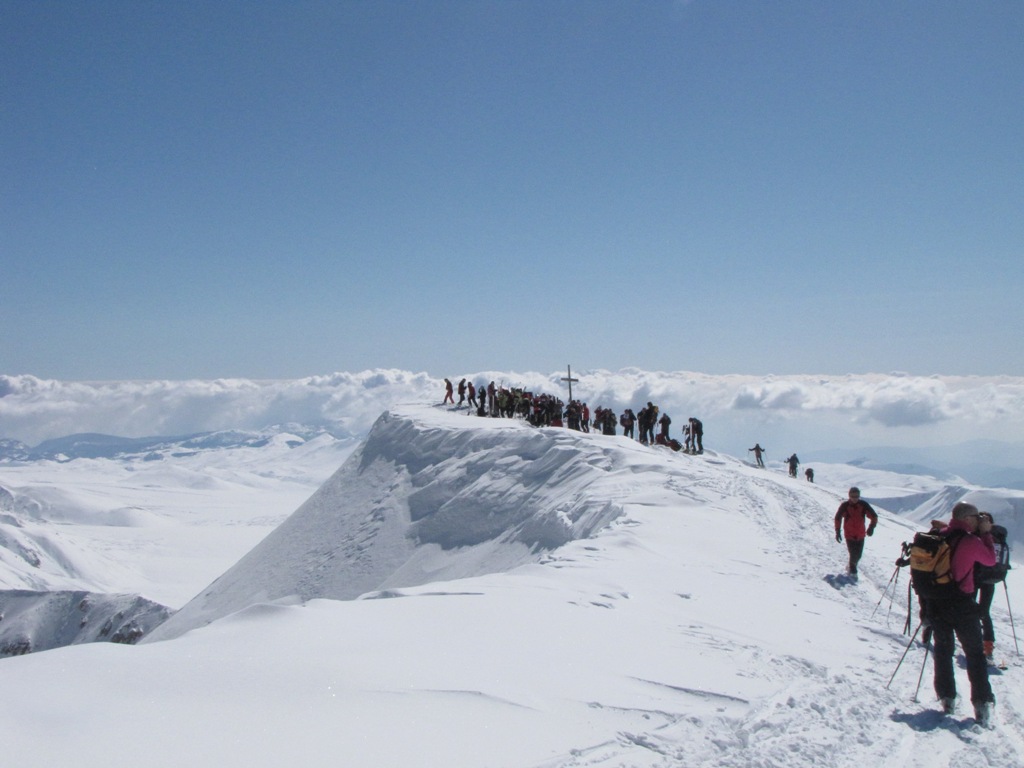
[983, 462]
[99, 446]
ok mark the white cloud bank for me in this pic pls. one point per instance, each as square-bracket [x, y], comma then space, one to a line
[784, 413]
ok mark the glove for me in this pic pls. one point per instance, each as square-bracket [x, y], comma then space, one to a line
[839, 537]
[871, 531]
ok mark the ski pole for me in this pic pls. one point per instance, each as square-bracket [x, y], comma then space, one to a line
[1012, 626]
[885, 591]
[928, 647]
[892, 599]
[905, 651]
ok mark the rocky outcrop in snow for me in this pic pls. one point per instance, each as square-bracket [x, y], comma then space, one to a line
[39, 621]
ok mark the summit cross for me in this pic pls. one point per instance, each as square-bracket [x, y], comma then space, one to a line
[570, 380]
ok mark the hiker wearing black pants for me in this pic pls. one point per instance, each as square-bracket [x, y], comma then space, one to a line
[960, 616]
[850, 520]
[986, 592]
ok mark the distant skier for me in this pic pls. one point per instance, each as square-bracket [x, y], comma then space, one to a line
[793, 463]
[758, 451]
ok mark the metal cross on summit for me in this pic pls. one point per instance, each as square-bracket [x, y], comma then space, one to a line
[569, 379]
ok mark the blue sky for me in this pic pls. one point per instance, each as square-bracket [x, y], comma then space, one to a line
[271, 190]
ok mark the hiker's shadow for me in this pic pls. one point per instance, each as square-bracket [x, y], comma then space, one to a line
[932, 720]
[840, 580]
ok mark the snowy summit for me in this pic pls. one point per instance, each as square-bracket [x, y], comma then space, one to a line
[468, 592]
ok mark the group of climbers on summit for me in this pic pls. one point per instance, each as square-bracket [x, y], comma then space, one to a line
[544, 410]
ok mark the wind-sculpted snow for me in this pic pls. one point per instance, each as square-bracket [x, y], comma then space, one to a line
[418, 502]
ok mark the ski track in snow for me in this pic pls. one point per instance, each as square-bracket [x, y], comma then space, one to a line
[825, 716]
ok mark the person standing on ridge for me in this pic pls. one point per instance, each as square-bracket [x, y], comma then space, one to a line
[492, 397]
[664, 421]
[448, 392]
[628, 422]
[758, 452]
[850, 520]
[793, 463]
[959, 615]
[697, 435]
[809, 474]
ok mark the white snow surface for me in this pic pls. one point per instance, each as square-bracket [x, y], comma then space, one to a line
[471, 592]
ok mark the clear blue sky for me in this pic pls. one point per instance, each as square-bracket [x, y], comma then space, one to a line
[278, 189]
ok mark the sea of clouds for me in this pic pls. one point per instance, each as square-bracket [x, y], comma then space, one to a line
[784, 413]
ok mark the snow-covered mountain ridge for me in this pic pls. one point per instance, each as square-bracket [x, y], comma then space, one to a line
[422, 500]
[529, 598]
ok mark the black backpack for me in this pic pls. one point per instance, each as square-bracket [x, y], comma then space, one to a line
[993, 574]
[930, 557]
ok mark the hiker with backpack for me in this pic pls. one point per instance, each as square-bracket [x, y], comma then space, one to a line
[664, 421]
[950, 610]
[628, 422]
[850, 521]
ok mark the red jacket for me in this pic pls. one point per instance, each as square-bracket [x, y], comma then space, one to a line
[850, 516]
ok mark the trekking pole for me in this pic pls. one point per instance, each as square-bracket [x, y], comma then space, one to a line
[894, 577]
[927, 648]
[894, 580]
[892, 599]
[1012, 626]
[906, 650]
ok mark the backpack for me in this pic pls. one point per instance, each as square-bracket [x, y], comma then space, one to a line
[993, 574]
[930, 556]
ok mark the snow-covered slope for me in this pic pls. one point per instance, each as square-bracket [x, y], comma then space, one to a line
[162, 523]
[631, 607]
[424, 499]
